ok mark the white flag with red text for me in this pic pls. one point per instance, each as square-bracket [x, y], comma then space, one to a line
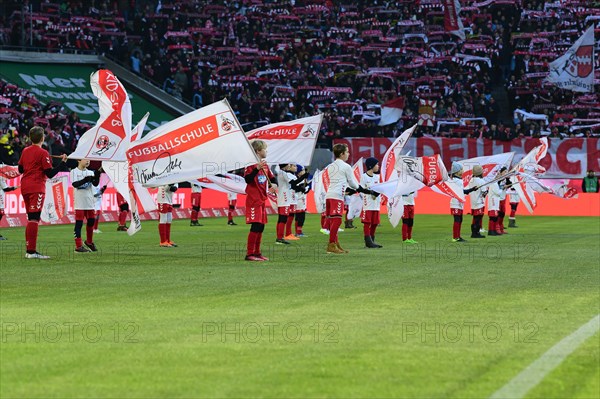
[452, 22]
[207, 141]
[429, 170]
[109, 138]
[9, 172]
[55, 202]
[228, 182]
[491, 165]
[289, 142]
[121, 174]
[320, 184]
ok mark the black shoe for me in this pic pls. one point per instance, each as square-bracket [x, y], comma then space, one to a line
[460, 239]
[195, 223]
[477, 236]
[369, 242]
[231, 223]
[91, 246]
[377, 245]
[493, 233]
[82, 250]
[282, 241]
[2, 238]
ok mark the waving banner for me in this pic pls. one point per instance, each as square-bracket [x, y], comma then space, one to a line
[207, 141]
[55, 202]
[109, 138]
[392, 154]
[427, 170]
[575, 69]
[9, 172]
[355, 205]
[290, 142]
[491, 165]
[523, 168]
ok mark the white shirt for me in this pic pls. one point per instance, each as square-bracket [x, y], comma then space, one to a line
[83, 196]
[454, 203]
[301, 198]
[494, 197]
[232, 196]
[284, 194]
[164, 195]
[408, 199]
[370, 202]
[2, 187]
[293, 193]
[477, 197]
[513, 195]
[340, 177]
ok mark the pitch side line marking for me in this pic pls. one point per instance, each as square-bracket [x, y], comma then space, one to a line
[536, 371]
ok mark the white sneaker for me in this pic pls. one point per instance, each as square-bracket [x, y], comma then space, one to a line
[324, 231]
[36, 255]
[340, 229]
[482, 230]
[97, 231]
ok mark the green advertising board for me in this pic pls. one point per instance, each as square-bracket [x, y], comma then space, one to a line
[70, 85]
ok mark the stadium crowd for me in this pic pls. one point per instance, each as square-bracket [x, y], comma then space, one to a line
[282, 60]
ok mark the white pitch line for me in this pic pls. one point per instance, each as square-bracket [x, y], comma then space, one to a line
[536, 371]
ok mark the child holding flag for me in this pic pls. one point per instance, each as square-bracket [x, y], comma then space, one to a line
[408, 218]
[259, 181]
[232, 201]
[36, 167]
[369, 215]
[83, 181]
[477, 198]
[341, 178]
[514, 199]
[164, 200]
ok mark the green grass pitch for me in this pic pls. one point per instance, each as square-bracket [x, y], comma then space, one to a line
[437, 319]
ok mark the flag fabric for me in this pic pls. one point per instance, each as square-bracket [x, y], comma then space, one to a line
[429, 170]
[207, 141]
[320, 183]
[55, 202]
[395, 209]
[528, 162]
[452, 22]
[9, 172]
[427, 112]
[491, 166]
[355, 205]
[391, 111]
[450, 189]
[229, 183]
[121, 174]
[392, 153]
[290, 142]
[575, 69]
[109, 138]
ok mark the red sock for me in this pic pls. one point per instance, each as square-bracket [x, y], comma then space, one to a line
[161, 231]
[323, 218]
[513, 213]
[97, 220]
[230, 215]
[280, 230]
[334, 226]
[501, 224]
[78, 242]
[404, 231]
[257, 243]
[89, 233]
[298, 229]
[367, 229]
[409, 232]
[122, 218]
[194, 216]
[288, 225]
[31, 233]
[327, 224]
[491, 226]
[456, 230]
[168, 231]
[251, 245]
[373, 228]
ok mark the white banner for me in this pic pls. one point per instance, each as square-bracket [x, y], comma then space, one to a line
[491, 165]
[575, 69]
[528, 163]
[55, 203]
[289, 142]
[356, 203]
[393, 152]
[205, 142]
[428, 170]
[109, 138]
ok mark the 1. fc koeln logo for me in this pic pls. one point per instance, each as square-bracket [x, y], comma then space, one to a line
[226, 124]
[103, 144]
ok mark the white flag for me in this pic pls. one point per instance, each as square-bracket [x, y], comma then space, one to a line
[528, 163]
[575, 69]
[289, 142]
[491, 165]
[392, 154]
[55, 202]
[428, 170]
[207, 141]
[121, 174]
[356, 202]
[319, 189]
[109, 138]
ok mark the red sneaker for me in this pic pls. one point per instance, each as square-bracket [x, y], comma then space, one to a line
[262, 257]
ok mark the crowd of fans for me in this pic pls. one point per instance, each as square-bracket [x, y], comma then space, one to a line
[282, 60]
